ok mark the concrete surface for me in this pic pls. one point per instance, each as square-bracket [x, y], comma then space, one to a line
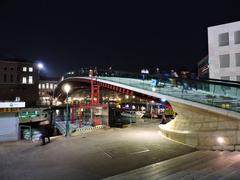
[96, 155]
[202, 165]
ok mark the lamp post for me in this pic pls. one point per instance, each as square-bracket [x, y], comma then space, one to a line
[66, 89]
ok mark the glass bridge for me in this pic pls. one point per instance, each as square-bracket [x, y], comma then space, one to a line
[217, 93]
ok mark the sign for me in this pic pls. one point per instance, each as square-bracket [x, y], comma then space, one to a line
[12, 105]
[6, 110]
[154, 82]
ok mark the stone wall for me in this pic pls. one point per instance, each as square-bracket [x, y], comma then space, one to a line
[202, 128]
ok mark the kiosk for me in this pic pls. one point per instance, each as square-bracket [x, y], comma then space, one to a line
[9, 121]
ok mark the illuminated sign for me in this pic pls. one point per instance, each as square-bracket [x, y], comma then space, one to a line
[5, 110]
[12, 104]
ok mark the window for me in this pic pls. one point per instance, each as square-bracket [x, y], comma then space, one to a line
[225, 77]
[24, 80]
[24, 69]
[238, 78]
[223, 39]
[43, 86]
[224, 61]
[11, 78]
[11, 68]
[55, 86]
[5, 78]
[51, 86]
[47, 85]
[237, 59]
[30, 69]
[237, 37]
[18, 77]
[30, 80]
[39, 86]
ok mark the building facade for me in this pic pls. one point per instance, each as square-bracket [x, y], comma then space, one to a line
[46, 88]
[19, 81]
[224, 51]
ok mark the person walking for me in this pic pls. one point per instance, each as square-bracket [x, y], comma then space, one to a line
[45, 129]
[163, 117]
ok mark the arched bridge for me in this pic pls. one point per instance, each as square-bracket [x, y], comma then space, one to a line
[207, 109]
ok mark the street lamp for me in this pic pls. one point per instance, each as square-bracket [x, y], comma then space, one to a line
[66, 89]
[40, 65]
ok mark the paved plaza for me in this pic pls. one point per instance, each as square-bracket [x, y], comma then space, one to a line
[94, 155]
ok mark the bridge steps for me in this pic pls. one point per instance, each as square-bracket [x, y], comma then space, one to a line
[202, 165]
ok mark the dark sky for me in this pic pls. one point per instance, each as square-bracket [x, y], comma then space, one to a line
[129, 35]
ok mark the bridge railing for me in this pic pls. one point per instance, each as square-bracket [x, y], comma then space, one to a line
[223, 95]
[218, 93]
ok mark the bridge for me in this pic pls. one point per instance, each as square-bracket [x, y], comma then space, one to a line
[208, 110]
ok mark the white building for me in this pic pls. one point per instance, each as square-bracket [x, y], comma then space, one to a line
[224, 51]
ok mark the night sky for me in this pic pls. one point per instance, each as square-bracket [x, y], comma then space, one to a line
[128, 36]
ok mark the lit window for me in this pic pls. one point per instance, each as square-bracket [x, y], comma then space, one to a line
[30, 69]
[47, 85]
[39, 86]
[55, 86]
[24, 80]
[224, 61]
[43, 86]
[51, 86]
[223, 39]
[30, 80]
[24, 69]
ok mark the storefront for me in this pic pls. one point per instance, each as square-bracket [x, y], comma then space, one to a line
[9, 120]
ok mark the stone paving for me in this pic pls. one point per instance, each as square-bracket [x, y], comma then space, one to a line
[99, 154]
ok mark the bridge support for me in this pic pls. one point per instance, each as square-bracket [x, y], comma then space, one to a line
[203, 129]
[95, 93]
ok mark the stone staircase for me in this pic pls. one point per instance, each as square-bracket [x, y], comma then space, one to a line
[202, 165]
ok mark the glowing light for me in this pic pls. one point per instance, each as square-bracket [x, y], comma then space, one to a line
[66, 88]
[40, 66]
[126, 96]
[152, 101]
[133, 97]
[163, 100]
[154, 89]
[133, 107]
[220, 140]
